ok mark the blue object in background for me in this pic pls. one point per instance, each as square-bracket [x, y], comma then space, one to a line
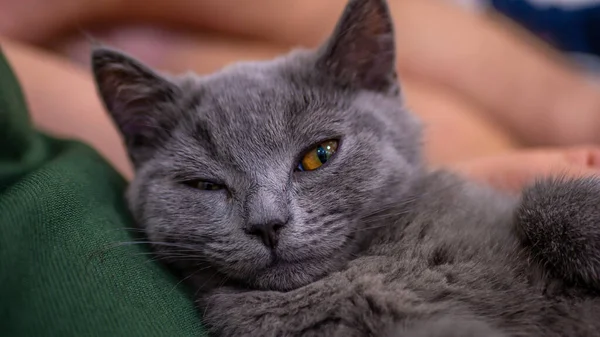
[570, 30]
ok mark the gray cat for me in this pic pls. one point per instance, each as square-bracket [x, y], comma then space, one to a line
[292, 196]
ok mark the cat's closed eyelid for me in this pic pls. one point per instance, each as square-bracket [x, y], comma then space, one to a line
[205, 185]
[189, 179]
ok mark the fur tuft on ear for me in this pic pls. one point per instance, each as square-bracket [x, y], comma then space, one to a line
[139, 101]
[361, 51]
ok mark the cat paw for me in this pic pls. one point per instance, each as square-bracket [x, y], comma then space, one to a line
[445, 327]
[559, 222]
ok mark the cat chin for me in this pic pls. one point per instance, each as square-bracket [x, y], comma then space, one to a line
[278, 277]
[287, 276]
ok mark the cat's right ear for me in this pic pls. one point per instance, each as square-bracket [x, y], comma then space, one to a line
[361, 51]
[140, 102]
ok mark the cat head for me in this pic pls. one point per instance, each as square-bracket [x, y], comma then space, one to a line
[267, 172]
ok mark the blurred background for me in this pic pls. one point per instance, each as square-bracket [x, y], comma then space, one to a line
[192, 31]
[487, 76]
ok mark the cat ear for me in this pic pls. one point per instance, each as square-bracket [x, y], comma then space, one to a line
[140, 102]
[361, 51]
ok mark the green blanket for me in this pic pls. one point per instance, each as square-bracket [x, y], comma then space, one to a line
[61, 215]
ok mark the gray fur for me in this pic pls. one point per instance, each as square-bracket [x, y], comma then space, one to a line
[370, 244]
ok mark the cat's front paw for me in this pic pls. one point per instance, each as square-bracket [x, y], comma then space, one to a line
[559, 222]
[445, 327]
[231, 312]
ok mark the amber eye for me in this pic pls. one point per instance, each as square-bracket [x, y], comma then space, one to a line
[318, 156]
[204, 185]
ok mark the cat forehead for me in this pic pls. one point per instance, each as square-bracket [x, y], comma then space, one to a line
[277, 82]
[257, 95]
[266, 115]
[254, 110]
[257, 105]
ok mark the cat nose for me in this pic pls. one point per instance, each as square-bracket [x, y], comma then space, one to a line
[267, 232]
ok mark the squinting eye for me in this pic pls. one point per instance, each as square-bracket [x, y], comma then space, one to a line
[318, 156]
[204, 185]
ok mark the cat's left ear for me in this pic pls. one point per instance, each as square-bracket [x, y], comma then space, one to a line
[361, 52]
[140, 102]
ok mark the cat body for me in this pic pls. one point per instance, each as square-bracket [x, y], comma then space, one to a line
[291, 195]
[452, 266]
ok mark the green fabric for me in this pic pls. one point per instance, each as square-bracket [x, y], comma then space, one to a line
[61, 215]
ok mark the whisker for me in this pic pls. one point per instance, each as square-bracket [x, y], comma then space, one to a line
[205, 282]
[221, 284]
[128, 229]
[155, 243]
[187, 278]
[178, 258]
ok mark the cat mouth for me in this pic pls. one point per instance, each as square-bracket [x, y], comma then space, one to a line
[278, 261]
[286, 275]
